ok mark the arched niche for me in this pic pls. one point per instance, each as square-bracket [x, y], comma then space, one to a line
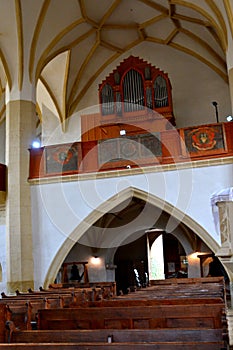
[125, 195]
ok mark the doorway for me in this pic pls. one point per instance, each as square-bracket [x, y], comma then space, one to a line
[136, 266]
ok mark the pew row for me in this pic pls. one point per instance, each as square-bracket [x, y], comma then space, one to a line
[150, 302]
[25, 315]
[189, 315]
[194, 280]
[118, 335]
[117, 346]
[180, 291]
[148, 317]
[23, 308]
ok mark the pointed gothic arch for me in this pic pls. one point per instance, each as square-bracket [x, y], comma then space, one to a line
[109, 205]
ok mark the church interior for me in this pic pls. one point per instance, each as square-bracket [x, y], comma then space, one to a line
[116, 176]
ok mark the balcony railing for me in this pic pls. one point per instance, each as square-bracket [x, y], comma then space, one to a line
[143, 149]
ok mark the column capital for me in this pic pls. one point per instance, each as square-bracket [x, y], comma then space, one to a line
[27, 93]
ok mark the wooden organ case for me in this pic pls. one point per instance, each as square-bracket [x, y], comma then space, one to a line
[135, 97]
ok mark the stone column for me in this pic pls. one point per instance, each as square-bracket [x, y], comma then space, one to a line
[225, 209]
[230, 79]
[225, 253]
[229, 60]
[194, 269]
[20, 126]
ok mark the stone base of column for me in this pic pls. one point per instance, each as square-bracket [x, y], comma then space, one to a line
[22, 286]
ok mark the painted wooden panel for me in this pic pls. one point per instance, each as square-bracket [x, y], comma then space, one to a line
[134, 149]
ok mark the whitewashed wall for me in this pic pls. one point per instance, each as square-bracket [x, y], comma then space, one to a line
[59, 210]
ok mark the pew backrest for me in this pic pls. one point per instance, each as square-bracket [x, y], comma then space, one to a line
[150, 317]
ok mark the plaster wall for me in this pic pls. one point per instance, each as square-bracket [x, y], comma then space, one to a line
[96, 266]
[63, 211]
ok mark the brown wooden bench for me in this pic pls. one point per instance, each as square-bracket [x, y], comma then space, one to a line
[110, 285]
[195, 280]
[66, 296]
[150, 317]
[216, 289]
[152, 301]
[118, 335]
[3, 318]
[108, 289]
[25, 315]
[43, 294]
[164, 309]
[22, 308]
[19, 314]
[120, 339]
[30, 296]
[23, 312]
[117, 346]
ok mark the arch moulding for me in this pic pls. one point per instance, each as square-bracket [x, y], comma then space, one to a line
[108, 205]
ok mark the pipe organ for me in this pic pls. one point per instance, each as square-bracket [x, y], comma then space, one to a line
[135, 95]
[136, 85]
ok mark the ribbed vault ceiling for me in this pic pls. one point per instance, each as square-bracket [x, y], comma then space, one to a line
[67, 44]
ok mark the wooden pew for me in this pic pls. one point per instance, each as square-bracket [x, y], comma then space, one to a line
[3, 318]
[34, 296]
[117, 346]
[150, 317]
[187, 315]
[118, 335]
[91, 293]
[111, 286]
[67, 297]
[23, 312]
[168, 334]
[43, 294]
[152, 301]
[195, 280]
[22, 308]
[208, 288]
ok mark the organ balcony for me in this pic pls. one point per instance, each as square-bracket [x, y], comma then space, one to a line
[135, 149]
